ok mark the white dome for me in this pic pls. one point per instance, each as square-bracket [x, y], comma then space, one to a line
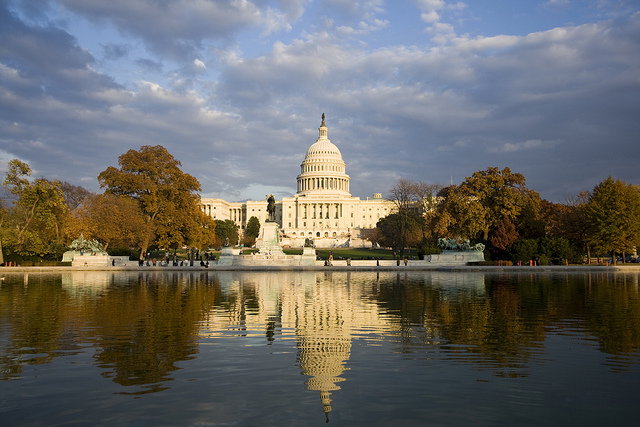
[323, 171]
[323, 148]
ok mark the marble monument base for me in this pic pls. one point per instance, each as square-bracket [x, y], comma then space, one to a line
[228, 255]
[270, 239]
[308, 256]
[455, 257]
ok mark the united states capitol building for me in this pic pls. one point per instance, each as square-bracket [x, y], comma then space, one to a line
[322, 209]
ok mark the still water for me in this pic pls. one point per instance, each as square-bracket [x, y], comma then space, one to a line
[374, 349]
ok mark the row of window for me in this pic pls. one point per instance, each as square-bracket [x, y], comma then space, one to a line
[318, 234]
[321, 168]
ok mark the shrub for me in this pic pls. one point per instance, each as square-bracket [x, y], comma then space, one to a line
[428, 250]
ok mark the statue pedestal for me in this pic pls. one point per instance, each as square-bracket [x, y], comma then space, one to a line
[228, 255]
[308, 256]
[455, 257]
[270, 239]
[100, 259]
[68, 256]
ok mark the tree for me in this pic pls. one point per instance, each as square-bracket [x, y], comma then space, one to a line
[558, 249]
[503, 235]
[475, 207]
[36, 211]
[74, 195]
[612, 215]
[425, 195]
[203, 235]
[524, 250]
[458, 215]
[410, 199]
[402, 195]
[566, 219]
[397, 231]
[166, 196]
[115, 221]
[251, 232]
[226, 229]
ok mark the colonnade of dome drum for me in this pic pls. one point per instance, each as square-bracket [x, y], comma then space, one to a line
[323, 169]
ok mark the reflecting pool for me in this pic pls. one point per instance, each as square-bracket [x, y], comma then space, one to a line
[309, 348]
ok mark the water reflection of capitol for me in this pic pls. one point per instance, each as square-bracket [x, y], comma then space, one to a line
[321, 315]
[323, 312]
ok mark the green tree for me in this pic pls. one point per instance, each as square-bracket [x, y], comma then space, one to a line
[458, 215]
[399, 231]
[558, 249]
[524, 250]
[37, 208]
[612, 215]
[251, 232]
[167, 197]
[226, 229]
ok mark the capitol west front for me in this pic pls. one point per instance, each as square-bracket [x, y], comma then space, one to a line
[322, 208]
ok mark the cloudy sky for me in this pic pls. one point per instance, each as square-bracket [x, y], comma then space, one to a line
[428, 90]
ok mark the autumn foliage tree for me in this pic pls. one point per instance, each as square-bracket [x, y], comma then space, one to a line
[503, 235]
[487, 203]
[31, 221]
[115, 221]
[166, 196]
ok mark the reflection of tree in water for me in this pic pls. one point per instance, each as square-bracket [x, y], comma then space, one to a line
[505, 322]
[614, 307]
[145, 328]
[142, 326]
[463, 316]
[35, 308]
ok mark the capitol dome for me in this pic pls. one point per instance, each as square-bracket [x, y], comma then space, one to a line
[323, 170]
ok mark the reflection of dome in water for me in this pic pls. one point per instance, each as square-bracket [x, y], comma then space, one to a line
[322, 312]
[324, 340]
[323, 358]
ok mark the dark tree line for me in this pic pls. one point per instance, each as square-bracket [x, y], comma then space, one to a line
[496, 208]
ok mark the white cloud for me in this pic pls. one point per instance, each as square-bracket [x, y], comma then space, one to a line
[532, 144]
[430, 17]
[562, 3]
[199, 64]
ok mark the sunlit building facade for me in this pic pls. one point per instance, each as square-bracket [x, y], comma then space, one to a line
[322, 208]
